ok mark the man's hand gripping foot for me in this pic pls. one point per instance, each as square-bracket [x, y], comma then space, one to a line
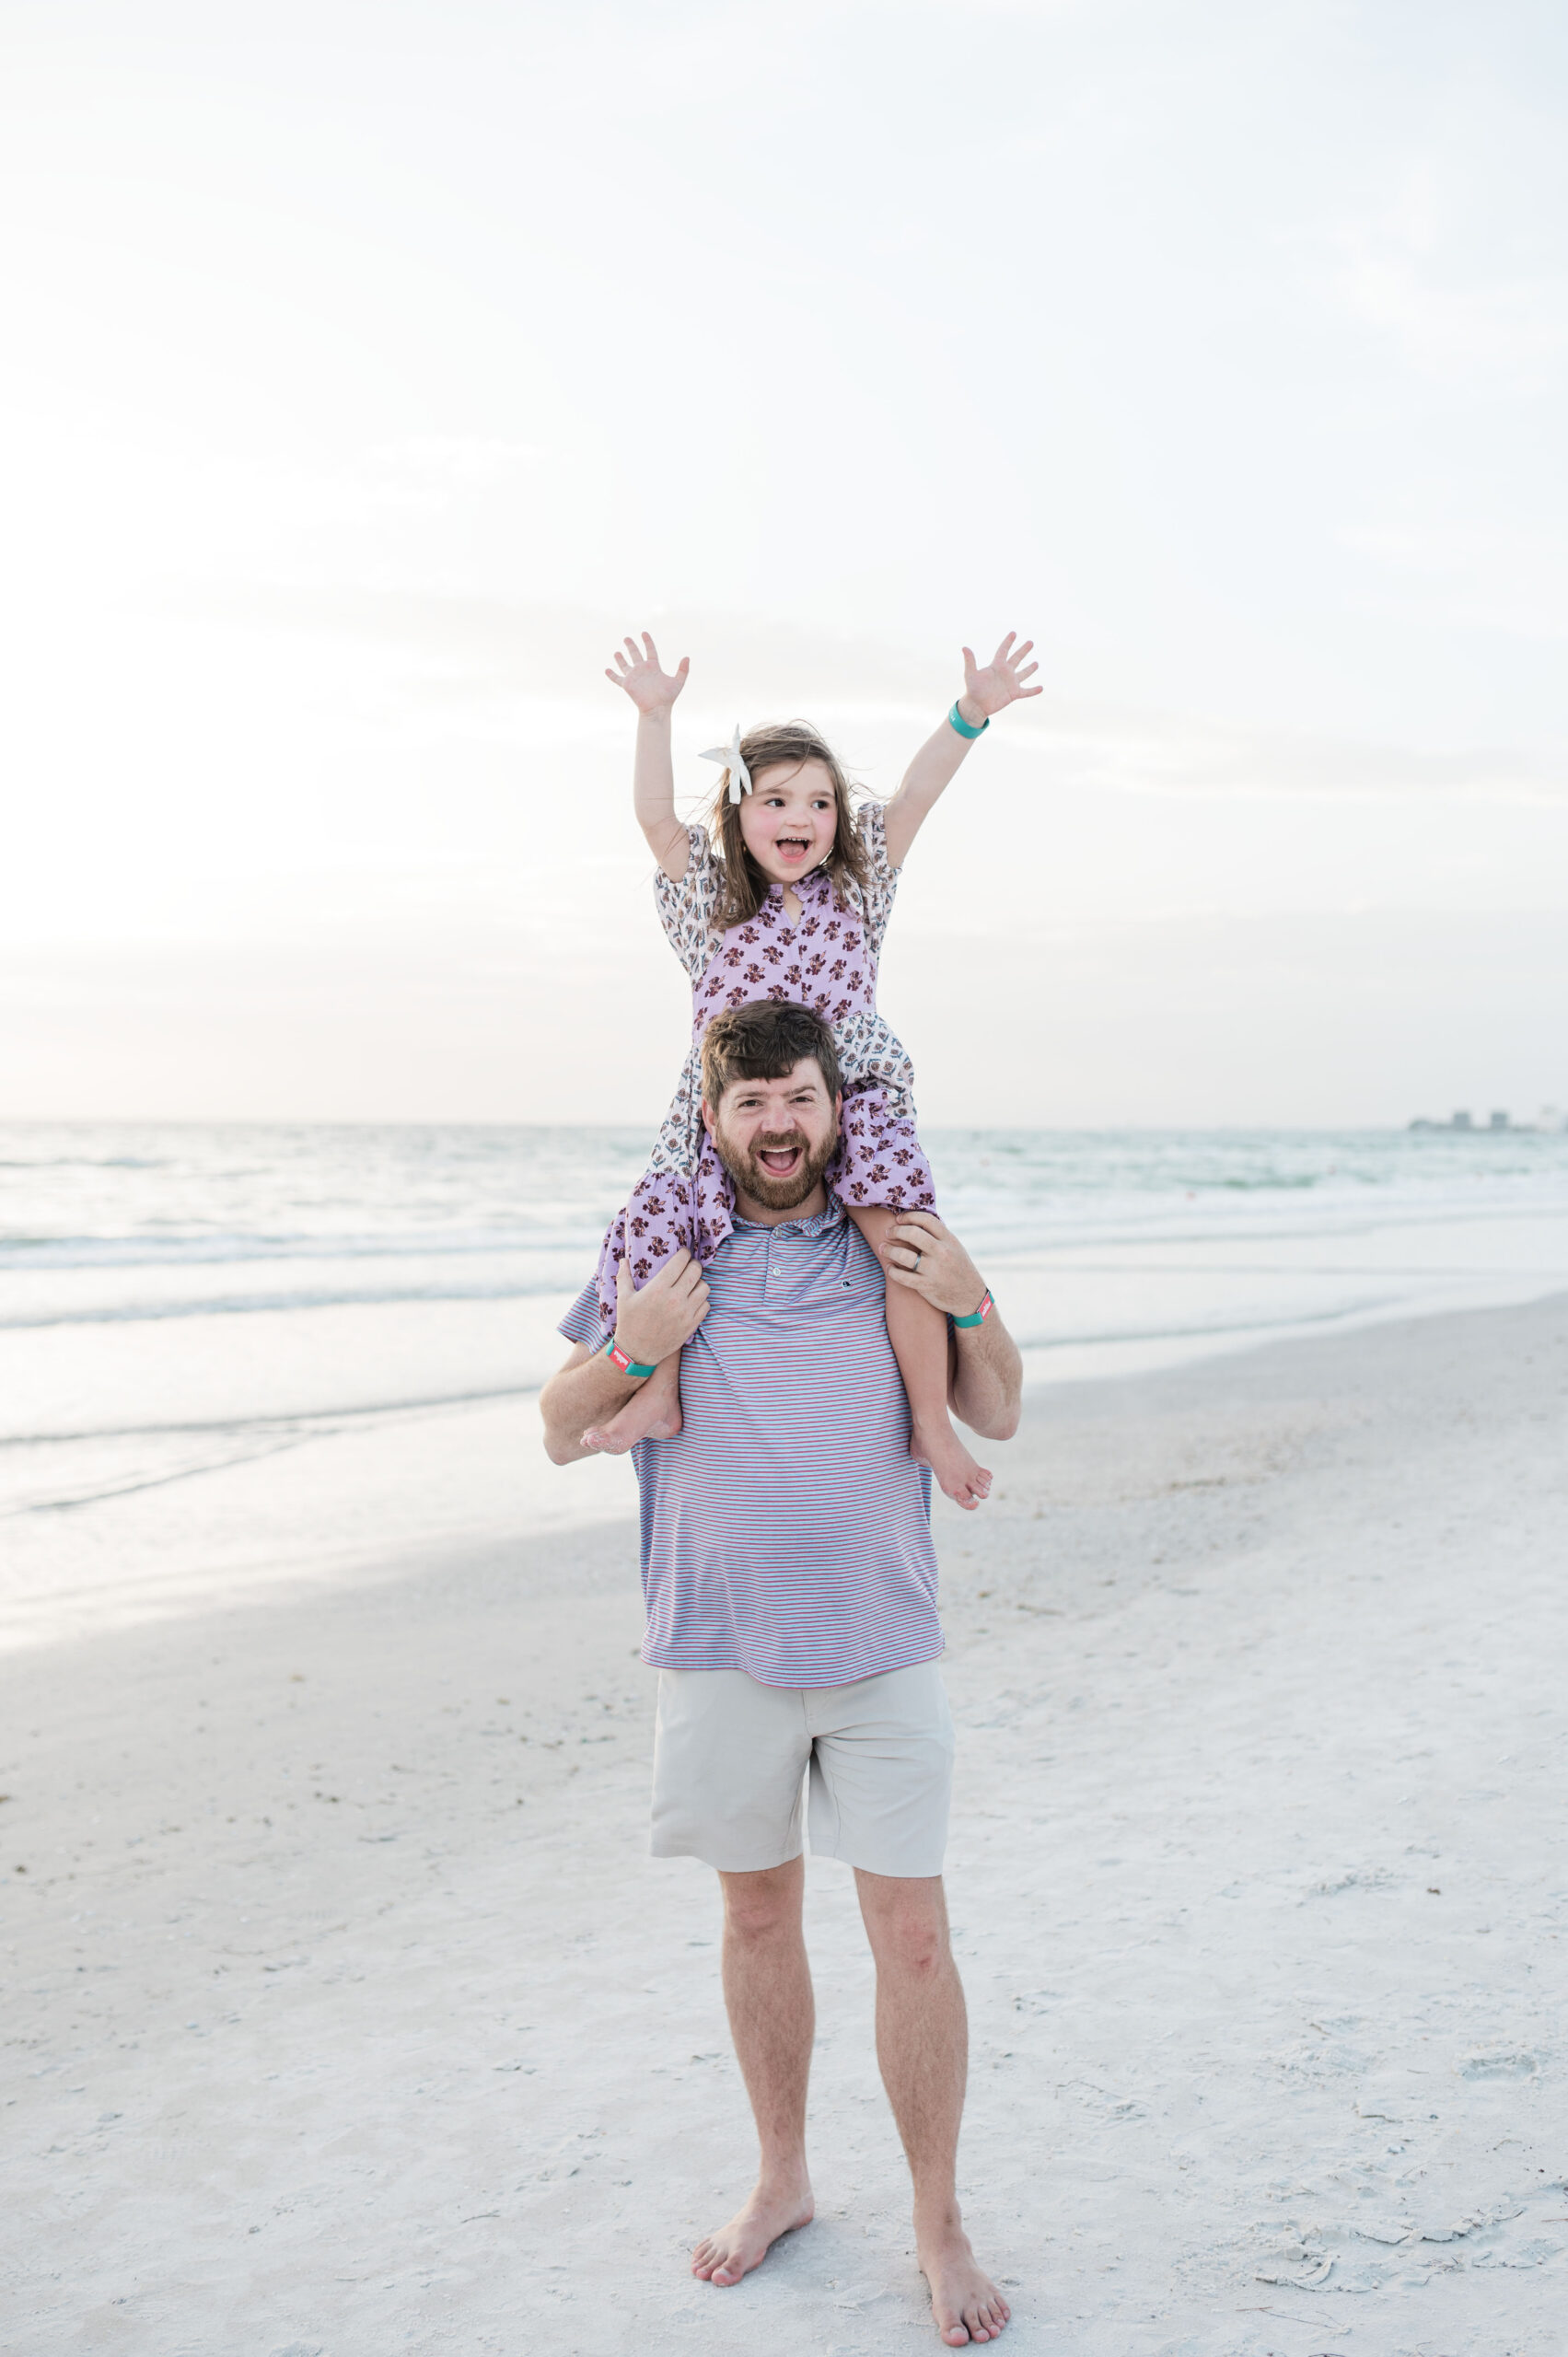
[736, 2249]
[653, 1413]
[652, 1328]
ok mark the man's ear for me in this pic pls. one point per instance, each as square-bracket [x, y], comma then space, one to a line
[707, 1116]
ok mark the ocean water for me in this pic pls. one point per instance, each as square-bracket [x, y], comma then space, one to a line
[227, 1350]
[106, 1225]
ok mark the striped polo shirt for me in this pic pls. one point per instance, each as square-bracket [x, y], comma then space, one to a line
[786, 1529]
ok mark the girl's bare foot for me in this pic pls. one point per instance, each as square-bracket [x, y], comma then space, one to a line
[736, 2249]
[652, 1413]
[965, 2302]
[961, 1478]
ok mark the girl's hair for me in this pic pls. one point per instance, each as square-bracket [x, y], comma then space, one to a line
[745, 886]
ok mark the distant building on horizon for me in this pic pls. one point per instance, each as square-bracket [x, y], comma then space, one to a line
[1549, 1121]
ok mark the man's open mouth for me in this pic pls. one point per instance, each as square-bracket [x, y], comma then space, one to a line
[780, 1161]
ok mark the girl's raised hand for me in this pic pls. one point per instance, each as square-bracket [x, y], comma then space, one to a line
[638, 672]
[1002, 682]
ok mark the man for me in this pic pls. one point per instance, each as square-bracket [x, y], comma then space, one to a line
[791, 1592]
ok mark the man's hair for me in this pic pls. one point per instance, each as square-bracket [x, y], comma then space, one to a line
[764, 1040]
[782, 744]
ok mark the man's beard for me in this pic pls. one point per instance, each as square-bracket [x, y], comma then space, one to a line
[775, 1195]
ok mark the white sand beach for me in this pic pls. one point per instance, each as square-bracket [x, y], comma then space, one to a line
[347, 2013]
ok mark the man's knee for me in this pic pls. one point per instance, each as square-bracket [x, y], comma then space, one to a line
[762, 1905]
[907, 1923]
[914, 1951]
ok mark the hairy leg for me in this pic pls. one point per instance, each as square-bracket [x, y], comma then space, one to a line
[772, 2019]
[919, 1335]
[922, 2048]
[652, 1413]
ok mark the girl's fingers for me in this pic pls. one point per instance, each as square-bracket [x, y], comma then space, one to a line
[683, 667]
[653, 650]
[968, 659]
[1006, 642]
[634, 650]
[1028, 670]
[1027, 648]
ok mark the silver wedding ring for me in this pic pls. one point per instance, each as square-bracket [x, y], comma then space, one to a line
[917, 1255]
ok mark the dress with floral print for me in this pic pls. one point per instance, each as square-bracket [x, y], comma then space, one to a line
[826, 959]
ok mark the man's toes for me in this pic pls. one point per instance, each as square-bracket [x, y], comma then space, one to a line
[982, 2320]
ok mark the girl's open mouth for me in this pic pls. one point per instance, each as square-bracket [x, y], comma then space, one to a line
[791, 847]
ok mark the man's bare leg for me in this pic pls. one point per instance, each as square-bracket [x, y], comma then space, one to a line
[772, 2019]
[923, 2047]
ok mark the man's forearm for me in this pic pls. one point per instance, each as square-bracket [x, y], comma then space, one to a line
[587, 1393]
[988, 1379]
[589, 1389]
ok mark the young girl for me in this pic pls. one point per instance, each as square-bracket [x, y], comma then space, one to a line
[786, 894]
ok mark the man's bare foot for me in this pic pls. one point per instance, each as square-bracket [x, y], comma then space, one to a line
[961, 1478]
[652, 1413]
[756, 2226]
[965, 2302]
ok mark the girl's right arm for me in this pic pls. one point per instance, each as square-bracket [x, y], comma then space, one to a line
[653, 692]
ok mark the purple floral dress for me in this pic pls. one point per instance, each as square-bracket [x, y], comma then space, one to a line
[827, 960]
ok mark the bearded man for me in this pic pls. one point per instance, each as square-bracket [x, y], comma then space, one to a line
[790, 1587]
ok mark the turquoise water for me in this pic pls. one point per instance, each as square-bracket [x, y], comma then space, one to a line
[230, 1352]
[107, 1223]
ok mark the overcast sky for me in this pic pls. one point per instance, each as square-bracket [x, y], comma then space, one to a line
[373, 367]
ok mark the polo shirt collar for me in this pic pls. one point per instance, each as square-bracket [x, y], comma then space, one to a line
[817, 1225]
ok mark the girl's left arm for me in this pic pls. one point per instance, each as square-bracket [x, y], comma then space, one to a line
[986, 693]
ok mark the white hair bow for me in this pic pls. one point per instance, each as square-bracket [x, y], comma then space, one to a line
[739, 776]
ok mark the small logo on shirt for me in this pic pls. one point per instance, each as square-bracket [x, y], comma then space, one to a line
[846, 1283]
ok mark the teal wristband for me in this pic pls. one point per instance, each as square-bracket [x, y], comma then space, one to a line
[963, 726]
[981, 1315]
[617, 1357]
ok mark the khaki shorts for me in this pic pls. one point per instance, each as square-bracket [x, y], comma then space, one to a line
[730, 1757]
